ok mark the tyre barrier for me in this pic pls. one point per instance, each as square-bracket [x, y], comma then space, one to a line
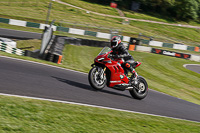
[9, 49]
[56, 58]
[55, 51]
[59, 41]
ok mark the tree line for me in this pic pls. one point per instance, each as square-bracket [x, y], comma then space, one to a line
[181, 10]
[184, 10]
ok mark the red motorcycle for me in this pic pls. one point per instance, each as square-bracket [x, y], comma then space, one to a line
[108, 71]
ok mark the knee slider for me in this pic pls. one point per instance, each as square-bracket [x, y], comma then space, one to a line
[127, 65]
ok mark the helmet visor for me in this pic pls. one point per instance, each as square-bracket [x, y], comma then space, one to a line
[113, 44]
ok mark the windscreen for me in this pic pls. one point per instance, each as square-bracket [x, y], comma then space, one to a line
[104, 50]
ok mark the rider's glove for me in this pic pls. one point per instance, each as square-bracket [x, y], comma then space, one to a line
[120, 56]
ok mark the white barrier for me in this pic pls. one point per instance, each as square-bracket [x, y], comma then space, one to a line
[103, 35]
[76, 31]
[181, 47]
[42, 26]
[17, 22]
[156, 43]
[195, 58]
[143, 48]
[126, 38]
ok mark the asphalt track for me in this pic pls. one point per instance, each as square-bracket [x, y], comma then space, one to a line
[193, 67]
[36, 80]
[21, 35]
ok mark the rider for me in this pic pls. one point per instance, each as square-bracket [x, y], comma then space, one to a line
[119, 51]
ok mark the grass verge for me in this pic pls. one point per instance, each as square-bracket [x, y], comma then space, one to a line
[27, 115]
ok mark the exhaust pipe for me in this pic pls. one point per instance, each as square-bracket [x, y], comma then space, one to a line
[123, 87]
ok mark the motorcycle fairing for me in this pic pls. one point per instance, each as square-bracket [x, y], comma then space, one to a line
[117, 74]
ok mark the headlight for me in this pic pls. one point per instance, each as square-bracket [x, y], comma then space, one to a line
[100, 59]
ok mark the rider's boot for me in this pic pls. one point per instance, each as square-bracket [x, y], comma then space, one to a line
[135, 64]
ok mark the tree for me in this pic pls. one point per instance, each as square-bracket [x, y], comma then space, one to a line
[158, 6]
[186, 10]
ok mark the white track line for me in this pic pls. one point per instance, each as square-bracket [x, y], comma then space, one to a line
[95, 106]
[67, 102]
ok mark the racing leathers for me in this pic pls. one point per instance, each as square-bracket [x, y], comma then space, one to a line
[121, 52]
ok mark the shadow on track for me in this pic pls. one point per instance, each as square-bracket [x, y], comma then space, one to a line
[87, 87]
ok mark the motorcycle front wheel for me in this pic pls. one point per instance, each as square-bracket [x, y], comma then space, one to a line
[97, 78]
[139, 90]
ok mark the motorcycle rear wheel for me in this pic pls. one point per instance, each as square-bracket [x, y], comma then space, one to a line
[140, 90]
[95, 79]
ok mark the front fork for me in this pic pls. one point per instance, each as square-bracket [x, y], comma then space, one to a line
[134, 78]
[101, 72]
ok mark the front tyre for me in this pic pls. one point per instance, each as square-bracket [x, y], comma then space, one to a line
[97, 78]
[140, 90]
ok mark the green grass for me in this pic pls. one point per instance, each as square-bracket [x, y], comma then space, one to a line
[63, 13]
[136, 15]
[27, 115]
[93, 7]
[29, 44]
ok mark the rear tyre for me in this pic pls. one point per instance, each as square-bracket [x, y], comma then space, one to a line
[97, 78]
[140, 90]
